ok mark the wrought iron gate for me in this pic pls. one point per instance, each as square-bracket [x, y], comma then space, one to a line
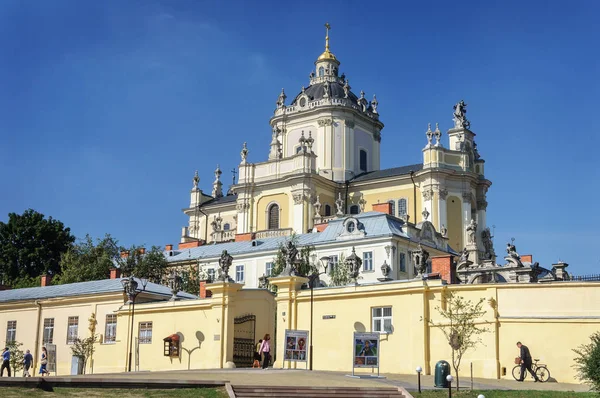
[244, 328]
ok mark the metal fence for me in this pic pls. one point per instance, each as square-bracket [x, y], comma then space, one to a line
[586, 278]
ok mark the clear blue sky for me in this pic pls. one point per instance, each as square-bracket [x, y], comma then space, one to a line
[107, 107]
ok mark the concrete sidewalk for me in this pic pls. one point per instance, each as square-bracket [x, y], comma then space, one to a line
[280, 377]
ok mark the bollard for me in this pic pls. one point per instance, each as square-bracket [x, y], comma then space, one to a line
[419, 370]
[450, 379]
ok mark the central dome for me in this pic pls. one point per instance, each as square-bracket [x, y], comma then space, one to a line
[317, 91]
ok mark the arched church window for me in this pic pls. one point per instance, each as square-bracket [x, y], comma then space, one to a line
[354, 209]
[363, 160]
[402, 207]
[273, 217]
[327, 210]
[321, 71]
[226, 227]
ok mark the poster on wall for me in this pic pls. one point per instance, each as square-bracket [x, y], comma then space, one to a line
[366, 350]
[296, 344]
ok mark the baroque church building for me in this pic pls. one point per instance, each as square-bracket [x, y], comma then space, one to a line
[323, 166]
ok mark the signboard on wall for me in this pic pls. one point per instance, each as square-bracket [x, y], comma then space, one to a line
[296, 344]
[366, 350]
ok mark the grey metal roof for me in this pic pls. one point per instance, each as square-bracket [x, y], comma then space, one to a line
[81, 289]
[375, 224]
[336, 89]
[221, 200]
[394, 171]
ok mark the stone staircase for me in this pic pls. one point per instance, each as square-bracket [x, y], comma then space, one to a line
[315, 392]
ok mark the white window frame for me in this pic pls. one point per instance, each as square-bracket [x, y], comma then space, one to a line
[269, 268]
[401, 256]
[398, 207]
[11, 331]
[212, 274]
[110, 329]
[147, 335]
[369, 261]
[48, 335]
[393, 203]
[382, 318]
[239, 269]
[333, 264]
[268, 224]
[72, 329]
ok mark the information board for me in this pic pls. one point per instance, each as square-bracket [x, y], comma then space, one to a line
[366, 350]
[296, 344]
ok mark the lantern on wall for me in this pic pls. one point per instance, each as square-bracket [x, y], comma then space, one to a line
[172, 346]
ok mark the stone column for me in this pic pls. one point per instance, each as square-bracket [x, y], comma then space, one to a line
[442, 213]
[223, 298]
[287, 288]
[427, 203]
[466, 214]
[298, 208]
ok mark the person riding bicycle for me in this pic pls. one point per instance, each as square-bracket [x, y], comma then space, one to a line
[526, 362]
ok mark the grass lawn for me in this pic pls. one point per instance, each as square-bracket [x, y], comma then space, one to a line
[121, 393]
[503, 394]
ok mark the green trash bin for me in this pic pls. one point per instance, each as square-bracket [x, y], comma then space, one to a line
[442, 370]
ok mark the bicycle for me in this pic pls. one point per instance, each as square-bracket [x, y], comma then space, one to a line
[540, 370]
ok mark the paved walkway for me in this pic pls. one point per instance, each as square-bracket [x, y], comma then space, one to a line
[280, 377]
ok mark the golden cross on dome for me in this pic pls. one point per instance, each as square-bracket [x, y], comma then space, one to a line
[327, 27]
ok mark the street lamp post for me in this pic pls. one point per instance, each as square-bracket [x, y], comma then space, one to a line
[449, 378]
[419, 370]
[312, 279]
[130, 287]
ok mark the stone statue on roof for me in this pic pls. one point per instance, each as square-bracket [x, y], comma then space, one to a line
[460, 115]
[224, 264]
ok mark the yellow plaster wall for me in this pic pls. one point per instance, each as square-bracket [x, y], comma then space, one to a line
[284, 202]
[384, 194]
[454, 214]
[562, 316]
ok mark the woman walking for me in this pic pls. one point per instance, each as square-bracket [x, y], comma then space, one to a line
[44, 362]
[265, 349]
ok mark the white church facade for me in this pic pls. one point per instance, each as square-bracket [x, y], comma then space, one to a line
[323, 167]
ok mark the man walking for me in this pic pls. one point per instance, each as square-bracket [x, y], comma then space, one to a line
[526, 362]
[27, 362]
[5, 362]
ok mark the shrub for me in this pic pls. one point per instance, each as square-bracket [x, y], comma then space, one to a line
[587, 362]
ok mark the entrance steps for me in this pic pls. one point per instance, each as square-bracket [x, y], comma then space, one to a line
[316, 392]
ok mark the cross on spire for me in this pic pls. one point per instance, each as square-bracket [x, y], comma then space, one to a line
[234, 173]
[327, 27]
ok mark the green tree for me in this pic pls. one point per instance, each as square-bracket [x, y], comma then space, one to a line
[31, 245]
[88, 260]
[587, 362]
[16, 356]
[84, 348]
[460, 325]
[339, 274]
[304, 266]
[150, 264]
[190, 281]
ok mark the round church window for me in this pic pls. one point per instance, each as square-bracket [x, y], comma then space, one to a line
[350, 227]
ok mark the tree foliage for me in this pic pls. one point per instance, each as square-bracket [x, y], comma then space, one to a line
[31, 245]
[88, 260]
[304, 266]
[339, 274]
[84, 348]
[152, 264]
[461, 326]
[190, 281]
[587, 362]
[16, 356]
